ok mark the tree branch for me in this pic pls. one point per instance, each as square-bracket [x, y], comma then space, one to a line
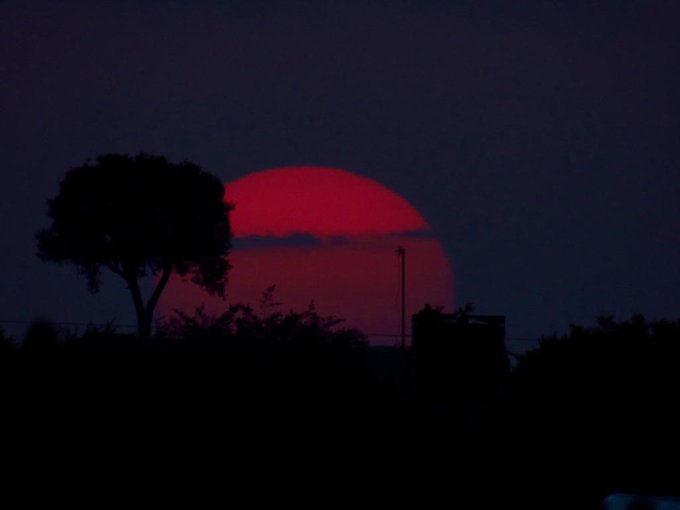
[115, 269]
[137, 298]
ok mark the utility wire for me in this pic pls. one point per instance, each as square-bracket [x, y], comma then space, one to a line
[112, 323]
[57, 323]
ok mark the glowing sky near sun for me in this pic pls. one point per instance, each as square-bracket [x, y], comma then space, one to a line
[348, 268]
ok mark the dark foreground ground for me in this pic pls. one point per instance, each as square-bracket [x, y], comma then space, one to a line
[207, 421]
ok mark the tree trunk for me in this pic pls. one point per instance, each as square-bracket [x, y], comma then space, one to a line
[143, 322]
[144, 325]
[145, 312]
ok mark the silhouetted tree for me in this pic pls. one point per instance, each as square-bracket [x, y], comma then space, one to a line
[604, 397]
[140, 216]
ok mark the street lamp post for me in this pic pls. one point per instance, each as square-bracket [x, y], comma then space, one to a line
[401, 252]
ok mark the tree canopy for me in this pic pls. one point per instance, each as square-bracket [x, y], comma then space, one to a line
[140, 216]
[603, 401]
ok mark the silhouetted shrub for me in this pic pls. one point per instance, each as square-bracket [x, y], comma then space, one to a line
[41, 339]
[603, 399]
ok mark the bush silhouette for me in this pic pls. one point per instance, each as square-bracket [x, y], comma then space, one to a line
[604, 400]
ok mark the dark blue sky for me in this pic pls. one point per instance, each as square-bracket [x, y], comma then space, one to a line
[541, 140]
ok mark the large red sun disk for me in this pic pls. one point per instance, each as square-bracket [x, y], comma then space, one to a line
[356, 277]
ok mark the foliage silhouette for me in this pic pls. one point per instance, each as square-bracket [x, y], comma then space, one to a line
[140, 216]
[41, 339]
[214, 406]
[6, 342]
[241, 321]
[293, 358]
[175, 414]
[602, 399]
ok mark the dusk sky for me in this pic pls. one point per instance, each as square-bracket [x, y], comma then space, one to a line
[539, 140]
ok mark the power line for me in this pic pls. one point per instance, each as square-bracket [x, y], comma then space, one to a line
[385, 334]
[60, 323]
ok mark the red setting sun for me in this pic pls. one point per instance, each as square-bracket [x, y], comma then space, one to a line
[326, 236]
[323, 202]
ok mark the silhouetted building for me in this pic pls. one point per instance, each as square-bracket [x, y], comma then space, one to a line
[460, 359]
